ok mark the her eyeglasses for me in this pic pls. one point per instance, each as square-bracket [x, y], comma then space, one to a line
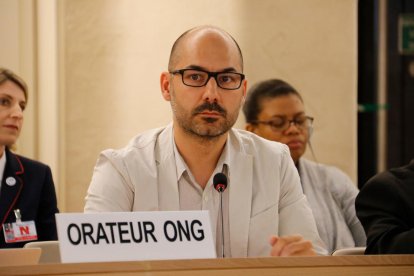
[280, 124]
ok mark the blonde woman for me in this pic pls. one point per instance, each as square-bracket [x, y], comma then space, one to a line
[27, 194]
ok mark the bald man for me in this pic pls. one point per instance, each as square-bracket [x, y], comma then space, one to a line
[172, 168]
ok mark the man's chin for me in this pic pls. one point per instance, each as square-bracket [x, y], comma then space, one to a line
[210, 120]
[207, 127]
[211, 132]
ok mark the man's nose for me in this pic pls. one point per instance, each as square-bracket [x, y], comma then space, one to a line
[211, 90]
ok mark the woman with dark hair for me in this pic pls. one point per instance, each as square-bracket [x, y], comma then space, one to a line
[275, 110]
[27, 193]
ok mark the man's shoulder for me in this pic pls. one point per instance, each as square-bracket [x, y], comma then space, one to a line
[400, 178]
[144, 142]
[403, 173]
[251, 143]
[146, 138]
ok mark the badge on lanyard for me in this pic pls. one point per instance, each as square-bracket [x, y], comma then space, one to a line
[19, 231]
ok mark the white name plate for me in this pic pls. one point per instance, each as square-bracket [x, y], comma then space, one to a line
[131, 236]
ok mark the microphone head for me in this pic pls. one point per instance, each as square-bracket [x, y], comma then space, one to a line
[220, 182]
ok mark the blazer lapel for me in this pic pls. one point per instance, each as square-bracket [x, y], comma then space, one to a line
[240, 198]
[240, 188]
[167, 172]
[11, 185]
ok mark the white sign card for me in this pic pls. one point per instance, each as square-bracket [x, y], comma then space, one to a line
[131, 236]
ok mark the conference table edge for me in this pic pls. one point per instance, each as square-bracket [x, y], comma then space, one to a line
[211, 264]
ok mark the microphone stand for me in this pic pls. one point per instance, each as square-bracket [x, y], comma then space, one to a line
[222, 224]
[220, 184]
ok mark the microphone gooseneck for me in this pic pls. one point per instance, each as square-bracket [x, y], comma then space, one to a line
[220, 184]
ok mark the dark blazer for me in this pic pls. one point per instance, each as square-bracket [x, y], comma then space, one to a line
[385, 207]
[34, 194]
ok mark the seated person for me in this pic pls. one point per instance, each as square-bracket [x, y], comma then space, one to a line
[275, 111]
[385, 207]
[172, 168]
[27, 192]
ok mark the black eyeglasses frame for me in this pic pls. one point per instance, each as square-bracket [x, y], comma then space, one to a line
[209, 74]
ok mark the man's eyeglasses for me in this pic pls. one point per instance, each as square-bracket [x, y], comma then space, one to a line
[199, 78]
[280, 124]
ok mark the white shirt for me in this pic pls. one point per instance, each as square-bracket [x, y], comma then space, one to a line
[193, 197]
[2, 166]
[264, 195]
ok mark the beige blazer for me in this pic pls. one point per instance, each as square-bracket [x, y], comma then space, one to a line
[265, 196]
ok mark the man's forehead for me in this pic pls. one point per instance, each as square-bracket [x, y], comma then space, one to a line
[207, 39]
[207, 50]
[206, 43]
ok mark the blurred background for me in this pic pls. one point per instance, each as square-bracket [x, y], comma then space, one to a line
[93, 69]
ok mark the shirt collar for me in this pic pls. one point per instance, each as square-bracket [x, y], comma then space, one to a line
[2, 165]
[223, 163]
[180, 165]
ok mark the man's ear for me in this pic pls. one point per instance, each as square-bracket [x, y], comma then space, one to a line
[244, 91]
[165, 86]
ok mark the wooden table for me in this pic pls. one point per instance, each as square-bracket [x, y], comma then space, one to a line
[395, 265]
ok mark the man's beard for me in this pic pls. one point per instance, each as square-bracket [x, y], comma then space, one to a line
[204, 128]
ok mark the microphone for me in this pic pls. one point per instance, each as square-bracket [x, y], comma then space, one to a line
[220, 184]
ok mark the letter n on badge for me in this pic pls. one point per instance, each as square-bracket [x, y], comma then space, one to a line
[19, 231]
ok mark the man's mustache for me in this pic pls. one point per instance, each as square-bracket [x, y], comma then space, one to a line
[210, 107]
